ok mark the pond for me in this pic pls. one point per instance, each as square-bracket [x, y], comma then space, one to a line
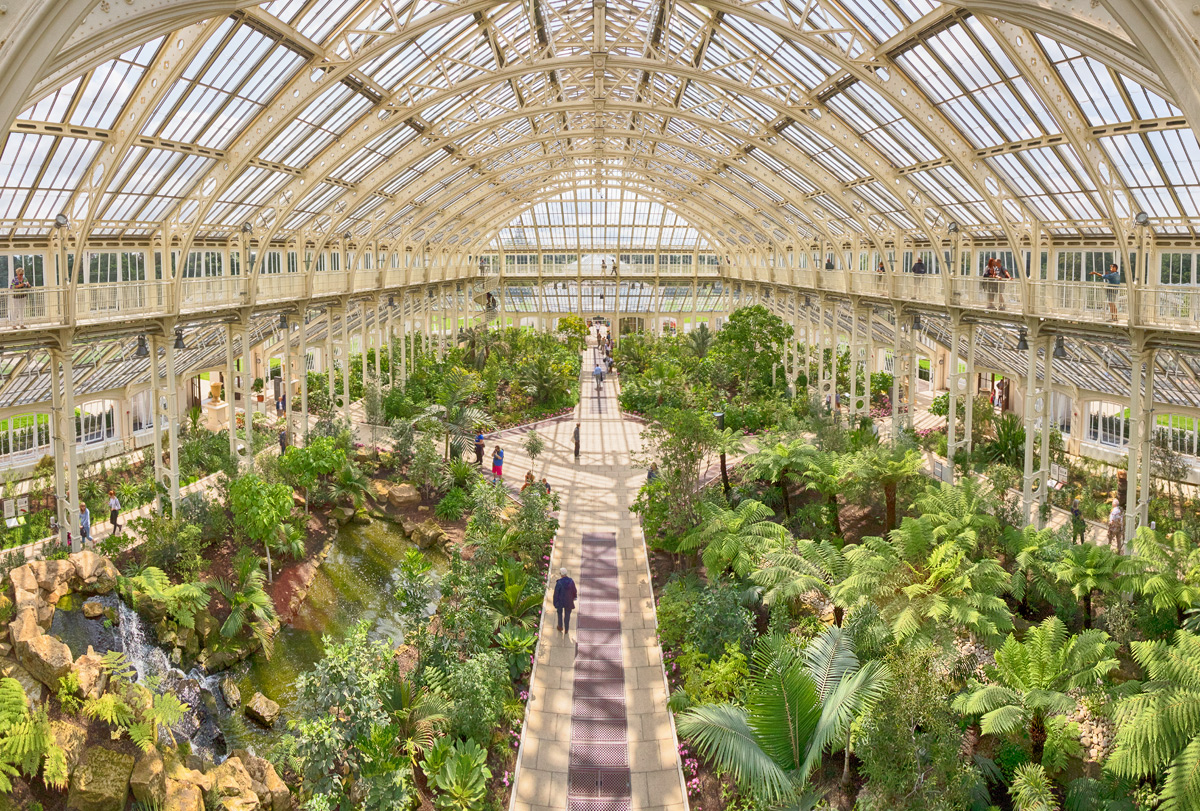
[356, 582]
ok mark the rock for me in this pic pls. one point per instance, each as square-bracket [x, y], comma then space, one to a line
[149, 779]
[26, 600]
[181, 796]
[23, 578]
[428, 534]
[272, 792]
[189, 640]
[206, 627]
[230, 692]
[92, 676]
[180, 773]
[103, 580]
[101, 781]
[86, 564]
[380, 490]
[33, 688]
[112, 616]
[46, 658]
[403, 496]
[343, 515]
[176, 656]
[55, 574]
[23, 628]
[5, 649]
[232, 789]
[93, 610]
[263, 710]
[45, 614]
[71, 737]
[408, 526]
[214, 661]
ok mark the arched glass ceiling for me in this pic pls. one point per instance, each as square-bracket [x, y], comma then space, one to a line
[599, 218]
[786, 118]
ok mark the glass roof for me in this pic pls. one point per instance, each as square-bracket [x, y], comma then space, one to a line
[758, 123]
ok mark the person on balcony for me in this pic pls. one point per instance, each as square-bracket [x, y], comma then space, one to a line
[992, 274]
[19, 286]
[918, 267]
[1113, 281]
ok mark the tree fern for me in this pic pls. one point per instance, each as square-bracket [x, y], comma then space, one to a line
[26, 742]
[734, 539]
[787, 575]
[1158, 731]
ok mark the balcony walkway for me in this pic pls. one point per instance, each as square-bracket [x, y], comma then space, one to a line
[599, 736]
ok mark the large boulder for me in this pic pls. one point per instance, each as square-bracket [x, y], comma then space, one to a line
[89, 670]
[403, 496]
[93, 610]
[176, 771]
[206, 627]
[46, 658]
[262, 710]
[23, 577]
[428, 534]
[101, 781]
[24, 600]
[380, 490]
[103, 580]
[232, 789]
[71, 737]
[182, 796]
[87, 563]
[23, 628]
[272, 792]
[55, 574]
[149, 779]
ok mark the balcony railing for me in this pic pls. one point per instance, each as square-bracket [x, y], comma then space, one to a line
[213, 292]
[976, 292]
[274, 287]
[1082, 301]
[104, 302]
[926, 288]
[35, 307]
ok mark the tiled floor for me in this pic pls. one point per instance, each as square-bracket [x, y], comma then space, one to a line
[626, 752]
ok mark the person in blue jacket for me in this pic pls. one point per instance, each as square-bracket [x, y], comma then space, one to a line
[564, 600]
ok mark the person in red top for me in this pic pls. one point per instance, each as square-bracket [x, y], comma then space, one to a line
[565, 594]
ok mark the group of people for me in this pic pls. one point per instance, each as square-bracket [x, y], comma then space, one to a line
[85, 518]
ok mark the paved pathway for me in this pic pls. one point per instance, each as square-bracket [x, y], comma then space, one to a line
[562, 733]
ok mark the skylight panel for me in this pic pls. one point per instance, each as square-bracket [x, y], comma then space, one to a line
[1091, 84]
[285, 10]
[321, 19]
[1147, 103]
[109, 87]
[1131, 156]
[272, 74]
[971, 122]
[1179, 153]
[877, 17]
[54, 106]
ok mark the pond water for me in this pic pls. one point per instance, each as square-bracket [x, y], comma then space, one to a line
[356, 582]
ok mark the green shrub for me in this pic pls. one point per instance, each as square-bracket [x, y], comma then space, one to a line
[478, 688]
[453, 505]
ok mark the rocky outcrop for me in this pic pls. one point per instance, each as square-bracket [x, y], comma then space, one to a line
[149, 779]
[101, 781]
[232, 789]
[182, 796]
[46, 658]
[89, 670]
[272, 793]
[403, 496]
[95, 574]
[262, 710]
[429, 535]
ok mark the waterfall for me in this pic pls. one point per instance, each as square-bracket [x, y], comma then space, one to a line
[142, 654]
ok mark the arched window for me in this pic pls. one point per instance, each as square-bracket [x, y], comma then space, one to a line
[95, 422]
[24, 438]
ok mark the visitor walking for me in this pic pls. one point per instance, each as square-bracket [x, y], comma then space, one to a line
[1112, 280]
[1078, 525]
[85, 524]
[479, 450]
[546, 485]
[598, 374]
[283, 442]
[19, 285]
[575, 436]
[114, 509]
[1116, 525]
[564, 600]
[652, 473]
[498, 464]
[918, 267]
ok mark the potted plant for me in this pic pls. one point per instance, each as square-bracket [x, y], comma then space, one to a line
[257, 388]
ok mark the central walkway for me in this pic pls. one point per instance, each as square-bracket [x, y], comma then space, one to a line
[575, 753]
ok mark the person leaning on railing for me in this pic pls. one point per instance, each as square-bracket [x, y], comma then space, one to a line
[1113, 281]
[19, 286]
[992, 275]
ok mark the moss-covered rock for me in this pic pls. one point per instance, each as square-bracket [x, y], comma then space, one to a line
[101, 781]
[149, 780]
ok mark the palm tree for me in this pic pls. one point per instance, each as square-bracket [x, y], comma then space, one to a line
[1166, 568]
[451, 412]
[728, 441]
[249, 604]
[734, 539]
[1032, 678]
[349, 484]
[887, 468]
[1032, 789]
[796, 705]
[1088, 569]
[1158, 730]
[417, 716]
[700, 340]
[825, 472]
[541, 380]
[787, 575]
[921, 585]
[778, 464]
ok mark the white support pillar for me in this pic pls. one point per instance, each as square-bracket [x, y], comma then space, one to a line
[959, 385]
[230, 392]
[1036, 407]
[828, 382]
[66, 473]
[304, 371]
[403, 338]
[363, 338]
[156, 403]
[171, 413]
[288, 373]
[860, 329]
[391, 344]
[344, 352]
[247, 395]
[1047, 395]
[377, 330]
[329, 373]
[1137, 485]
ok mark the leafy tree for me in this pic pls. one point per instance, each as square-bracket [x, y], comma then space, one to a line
[452, 412]
[573, 331]
[249, 603]
[349, 485]
[1031, 679]
[921, 585]
[734, 539]
[825, 472]
[958, 511]
[787, 575]
[796, 706]
[1158, 730]
[887, 468]
[1088, 569]
[260, 508]
[1166, 568]
[751, 342]
[516, 603]
[544, 380]
[679, 440]
[780, 464]
[533, 445]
